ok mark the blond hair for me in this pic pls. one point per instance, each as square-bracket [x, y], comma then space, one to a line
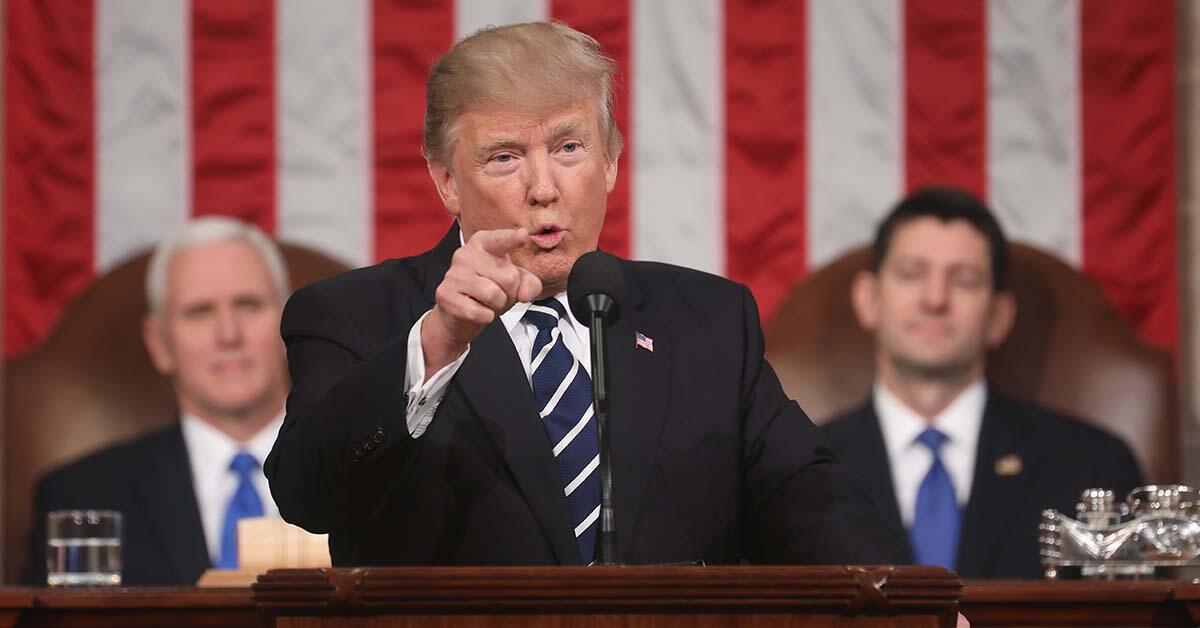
[539, 65]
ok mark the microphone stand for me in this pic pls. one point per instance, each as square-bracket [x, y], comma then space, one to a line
[599, 305]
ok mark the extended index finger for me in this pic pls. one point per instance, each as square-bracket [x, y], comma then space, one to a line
[500, 242]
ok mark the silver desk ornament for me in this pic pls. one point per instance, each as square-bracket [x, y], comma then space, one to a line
[1156, 526]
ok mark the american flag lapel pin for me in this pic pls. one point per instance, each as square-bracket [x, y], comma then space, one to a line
[644, 341]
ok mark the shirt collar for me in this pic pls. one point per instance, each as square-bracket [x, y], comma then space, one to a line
[960, 421]
[517, 312]
[219, 446]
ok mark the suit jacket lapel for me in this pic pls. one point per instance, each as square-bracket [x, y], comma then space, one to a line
[877, 470]
[494, 381]
[640, 388]
[994, 496]
[169, 501]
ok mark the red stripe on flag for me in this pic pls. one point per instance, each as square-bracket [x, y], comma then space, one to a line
[233, 100]
[1127, 61]
[608, 22]
[765, 168]
[408, 37]
[49, 163]
[945, 73]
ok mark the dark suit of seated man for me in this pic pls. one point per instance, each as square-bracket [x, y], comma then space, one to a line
[216, 291]
[441, 413]
[964, 470]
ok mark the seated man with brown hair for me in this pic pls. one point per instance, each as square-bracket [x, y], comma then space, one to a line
[215, 293]
[963, 469]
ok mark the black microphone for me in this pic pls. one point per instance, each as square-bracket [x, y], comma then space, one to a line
[595, 289]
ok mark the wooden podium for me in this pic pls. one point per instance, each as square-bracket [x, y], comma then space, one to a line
[630, 597]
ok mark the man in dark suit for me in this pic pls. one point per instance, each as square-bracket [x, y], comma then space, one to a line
[962, 469]
[215, 292]
[441, 408]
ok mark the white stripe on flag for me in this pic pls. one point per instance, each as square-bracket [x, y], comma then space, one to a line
[143, 125]
[472, 15]
[1034, 175]
[324, 120]
[678, 133]
[855, 126]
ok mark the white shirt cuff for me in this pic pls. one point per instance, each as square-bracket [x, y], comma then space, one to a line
[424, 396]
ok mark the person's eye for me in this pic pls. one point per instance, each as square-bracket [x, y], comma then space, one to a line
[250, 305]
[571, 147]
[502, 158]
[195, 313]
[968, 281]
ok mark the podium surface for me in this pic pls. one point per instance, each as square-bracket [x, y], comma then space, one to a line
[898, 597]
[307, 601]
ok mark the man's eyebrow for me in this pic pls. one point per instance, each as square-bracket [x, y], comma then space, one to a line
[197, 307]
[574, 126]
[504, 143]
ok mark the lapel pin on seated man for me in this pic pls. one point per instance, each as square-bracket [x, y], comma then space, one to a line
[963, 470]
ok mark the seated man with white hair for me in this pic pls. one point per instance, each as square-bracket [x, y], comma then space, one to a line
[215, 293]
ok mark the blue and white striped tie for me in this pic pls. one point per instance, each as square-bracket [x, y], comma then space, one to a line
[563, 392]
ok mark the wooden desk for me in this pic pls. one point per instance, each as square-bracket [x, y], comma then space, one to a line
[994, 603]
[986, 603]
[136, 608]
[631, 597]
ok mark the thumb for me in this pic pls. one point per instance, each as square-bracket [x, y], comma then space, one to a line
[530, 286]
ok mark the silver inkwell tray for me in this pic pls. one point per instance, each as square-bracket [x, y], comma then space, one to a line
[1156, 526]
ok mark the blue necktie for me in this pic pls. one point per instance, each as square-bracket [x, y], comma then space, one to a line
[563, 393]
[937, 519]
[244, 504]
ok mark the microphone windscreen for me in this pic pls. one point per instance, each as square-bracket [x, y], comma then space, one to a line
[595, 273]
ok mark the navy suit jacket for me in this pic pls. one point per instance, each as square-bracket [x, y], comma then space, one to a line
[149, 480]
[711, 460]
[1059, 458]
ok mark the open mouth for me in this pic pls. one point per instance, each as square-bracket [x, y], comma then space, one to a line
[548, 237]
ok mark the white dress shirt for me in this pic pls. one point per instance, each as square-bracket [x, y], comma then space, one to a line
[424, 396]
[910, 460]
[210, 451]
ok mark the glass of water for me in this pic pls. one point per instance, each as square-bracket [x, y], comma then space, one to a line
[83, 548]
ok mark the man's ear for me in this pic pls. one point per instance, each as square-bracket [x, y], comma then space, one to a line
[443, 180]
[610, 174]
[864, 296]
[157, 346]
[1003, 316]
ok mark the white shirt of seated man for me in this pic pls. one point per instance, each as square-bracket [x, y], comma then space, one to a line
[910, 461]
[209, 452]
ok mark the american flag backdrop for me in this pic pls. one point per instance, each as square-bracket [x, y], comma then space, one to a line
[764, 137]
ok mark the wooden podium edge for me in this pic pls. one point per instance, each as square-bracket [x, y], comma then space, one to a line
[857, 589]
